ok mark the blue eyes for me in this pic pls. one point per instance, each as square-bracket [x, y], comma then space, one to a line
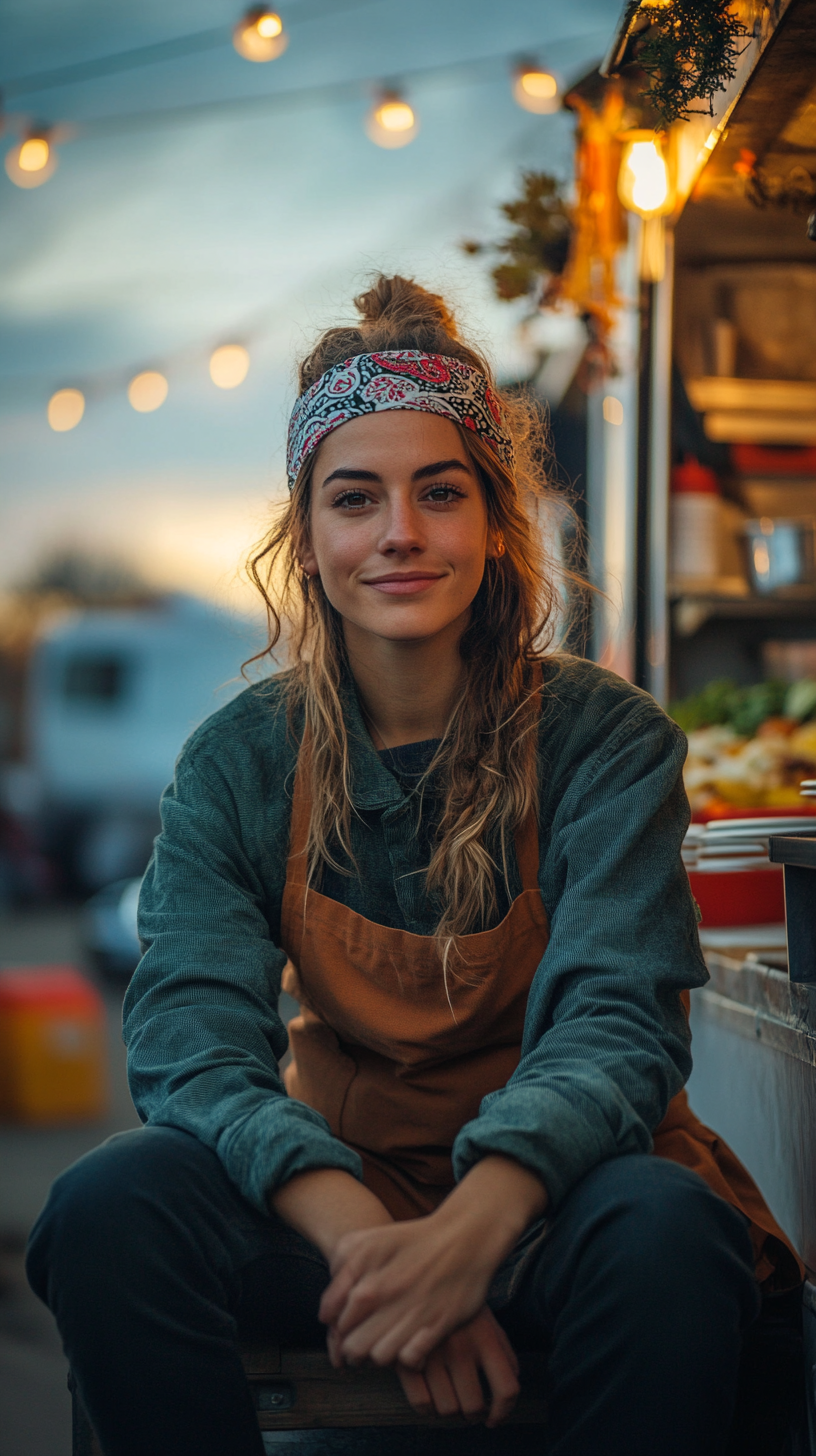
[356, 500]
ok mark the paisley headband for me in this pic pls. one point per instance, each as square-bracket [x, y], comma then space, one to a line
[403, 379]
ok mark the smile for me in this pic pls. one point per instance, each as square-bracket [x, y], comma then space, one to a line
[403, 584]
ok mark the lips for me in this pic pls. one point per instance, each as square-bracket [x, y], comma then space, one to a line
[403, 584]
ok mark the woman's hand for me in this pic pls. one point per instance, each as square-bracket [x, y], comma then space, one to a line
[399, 1290]
[449, 1383]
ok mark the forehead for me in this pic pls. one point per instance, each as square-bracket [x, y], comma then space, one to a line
[389, 439]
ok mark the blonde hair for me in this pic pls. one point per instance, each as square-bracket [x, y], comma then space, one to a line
[486, 761]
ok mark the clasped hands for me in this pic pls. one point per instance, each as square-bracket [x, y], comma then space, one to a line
[412, 1294]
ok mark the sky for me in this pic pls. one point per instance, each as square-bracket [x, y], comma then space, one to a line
[159, 238]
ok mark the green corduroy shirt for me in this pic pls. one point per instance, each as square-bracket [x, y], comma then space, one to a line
[606, 1044]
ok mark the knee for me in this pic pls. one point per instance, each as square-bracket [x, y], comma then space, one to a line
[661, 1226]
[95, 1212]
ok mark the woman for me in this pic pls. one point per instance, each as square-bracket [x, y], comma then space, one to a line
[462, 853]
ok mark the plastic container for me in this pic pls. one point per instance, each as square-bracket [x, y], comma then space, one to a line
[53, 1052]
[747, 897]
[695, 521]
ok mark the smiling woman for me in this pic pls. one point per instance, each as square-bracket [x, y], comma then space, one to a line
[459, 851]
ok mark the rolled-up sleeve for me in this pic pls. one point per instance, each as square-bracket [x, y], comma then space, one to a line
[606, 1041]
[200, 1019]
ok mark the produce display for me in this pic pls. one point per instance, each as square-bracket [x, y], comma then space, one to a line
[748, 747]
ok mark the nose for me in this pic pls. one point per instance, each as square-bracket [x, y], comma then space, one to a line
[403, 528]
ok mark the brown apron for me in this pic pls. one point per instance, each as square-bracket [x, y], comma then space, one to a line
[397, 1062]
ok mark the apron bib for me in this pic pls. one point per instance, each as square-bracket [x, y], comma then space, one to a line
[397, 1063]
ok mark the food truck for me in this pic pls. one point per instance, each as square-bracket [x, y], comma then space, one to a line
[701, 512]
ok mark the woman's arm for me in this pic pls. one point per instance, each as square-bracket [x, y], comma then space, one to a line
[606, 1041]
[200, 1015]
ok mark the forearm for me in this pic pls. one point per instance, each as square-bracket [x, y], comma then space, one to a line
[492, 1206]
[324, 1204]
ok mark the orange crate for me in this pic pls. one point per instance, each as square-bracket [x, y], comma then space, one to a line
[53, 1054]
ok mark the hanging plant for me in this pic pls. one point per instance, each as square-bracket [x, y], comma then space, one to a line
[690, 51]
[536, 248]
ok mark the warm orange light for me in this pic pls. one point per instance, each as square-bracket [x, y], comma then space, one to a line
[612, 410]
[260, 35]
[536, 89]
[65, 409]
[148, 391]
[644, 185]
[31, 162]
[229, 366]
[34, 154]
[392, 122]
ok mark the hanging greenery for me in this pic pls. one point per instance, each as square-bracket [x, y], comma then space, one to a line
[536, 248]
[690, 51]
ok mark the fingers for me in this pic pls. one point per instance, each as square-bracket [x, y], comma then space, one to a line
[464, 1375]
[440, 1384]
[499, 1363]
[336, 1295]
[416, 1390]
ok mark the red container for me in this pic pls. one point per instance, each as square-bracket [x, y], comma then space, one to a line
[740, 897]
[730, 811]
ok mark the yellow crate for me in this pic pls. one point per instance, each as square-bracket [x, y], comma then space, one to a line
[53, 1053]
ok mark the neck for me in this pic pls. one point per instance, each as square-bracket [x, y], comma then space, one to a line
[407, 689]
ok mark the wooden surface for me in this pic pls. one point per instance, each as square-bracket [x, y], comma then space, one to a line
[298, 1389]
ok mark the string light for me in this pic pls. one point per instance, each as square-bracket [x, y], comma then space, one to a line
[229, 366]
[536, 89]
[391, 122]
[32, 161]
[260, 35]
[612, 410]
[65, 409]
[644, 184]
[147, 391]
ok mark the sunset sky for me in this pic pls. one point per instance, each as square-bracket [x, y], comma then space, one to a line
[153, 243]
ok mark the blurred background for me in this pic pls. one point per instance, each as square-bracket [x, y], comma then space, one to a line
[190, 193]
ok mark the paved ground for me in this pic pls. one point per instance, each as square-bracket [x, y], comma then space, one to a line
[35, 1411]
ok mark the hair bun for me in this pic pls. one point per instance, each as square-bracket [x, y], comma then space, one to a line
[402, 302]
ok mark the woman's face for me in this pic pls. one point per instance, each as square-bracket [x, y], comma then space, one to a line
[399, 530]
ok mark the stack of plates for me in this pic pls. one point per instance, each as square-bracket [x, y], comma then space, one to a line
[731, 845]
[807, 788]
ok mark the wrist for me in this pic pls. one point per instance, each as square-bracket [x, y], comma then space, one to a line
[493, 1205]
[325, 1204]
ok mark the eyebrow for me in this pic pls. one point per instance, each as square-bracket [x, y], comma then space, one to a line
[346, 473]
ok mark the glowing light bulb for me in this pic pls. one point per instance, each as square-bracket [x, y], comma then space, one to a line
[147, 391]
[229, 366]
[536, 89]
[32, 161]
[260, 36]
[644, 185]
[612, 410]
[34, 154]
[391, 122]
[65, 409]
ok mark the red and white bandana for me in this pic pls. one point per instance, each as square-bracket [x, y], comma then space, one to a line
[402, 379]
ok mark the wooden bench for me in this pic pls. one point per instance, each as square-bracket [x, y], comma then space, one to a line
[299, 1390]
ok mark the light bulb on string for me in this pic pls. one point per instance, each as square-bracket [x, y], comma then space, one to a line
[391, 122]
[65, 409]
[644, 183]
[259, 35]
[33, 160]
[229, 366]
[536, 89]
[147, 391]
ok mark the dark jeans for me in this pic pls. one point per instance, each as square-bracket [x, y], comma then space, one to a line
[151, 1260]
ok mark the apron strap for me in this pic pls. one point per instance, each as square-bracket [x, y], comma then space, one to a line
[296, 868]
[527, 856]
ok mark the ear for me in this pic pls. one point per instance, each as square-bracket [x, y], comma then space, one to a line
[308, 561]
[495, 545]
